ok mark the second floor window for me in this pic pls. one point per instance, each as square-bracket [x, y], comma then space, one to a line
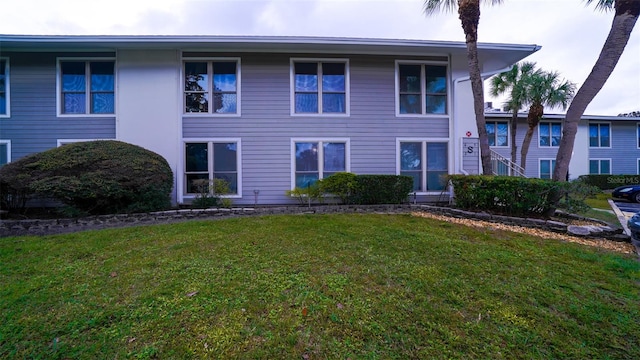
[599, 135]
[549, 134]
[422, 89]
[211, 87]
[4, 86]
[87, 87]
[498, 133]
[320, 87]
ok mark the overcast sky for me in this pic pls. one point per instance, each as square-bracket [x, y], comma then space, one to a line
[570, 33]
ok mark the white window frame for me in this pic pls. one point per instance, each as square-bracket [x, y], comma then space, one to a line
[210, 141]
[552, 167]
[210, 61]
[87, 61]
[423, 87]
[320, 141]
[495, 122]
[347, 86]
[423, 157]
[7, 83]
[600, 166]
[610, 134]
[638, 135]
[8, 143]
[550, 123]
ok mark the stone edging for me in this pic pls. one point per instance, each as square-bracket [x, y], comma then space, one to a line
[58, 226]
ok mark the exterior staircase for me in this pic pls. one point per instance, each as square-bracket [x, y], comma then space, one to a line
[500, 165]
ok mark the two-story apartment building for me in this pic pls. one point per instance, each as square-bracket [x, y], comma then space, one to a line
[265, 113]
[603, 145]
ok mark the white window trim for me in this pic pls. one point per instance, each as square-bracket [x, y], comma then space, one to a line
[209, 61]
[550, 134]
[88, 99]
[600, 165]
[638, 165]
[508, 133]
[610, 134]
[552, 167]
[423, 156]
[181, 176]
[320, 141]
[347, 87]
[7, 89]
[8, 143]
[61, 142]
[638, 135]
[423, 87]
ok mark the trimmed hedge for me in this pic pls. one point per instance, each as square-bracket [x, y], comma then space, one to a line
[382, 189]
[511, 195]
[94, 177]
[608, 182]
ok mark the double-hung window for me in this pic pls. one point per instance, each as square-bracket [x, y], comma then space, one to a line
[86, 87]
[498, 133]
[313, 160]
[547, 166]
[599, 166]
[320, 87]
[421, 89]
[209, 160]
[5, 151]
[4, 87]
[425, 161]
[212, 87]
[549, 134]
[599, 135]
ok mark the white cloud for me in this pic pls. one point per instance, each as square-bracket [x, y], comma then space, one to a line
[570, 33]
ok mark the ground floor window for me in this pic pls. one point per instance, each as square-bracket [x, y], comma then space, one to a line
[425, 161]
[313, 160]
[5, 152]
[209, 160]
[547, 166]
[599, 166]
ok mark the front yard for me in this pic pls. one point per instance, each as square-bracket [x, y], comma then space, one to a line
[315, 286]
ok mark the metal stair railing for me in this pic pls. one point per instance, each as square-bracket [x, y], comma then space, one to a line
[500, 165]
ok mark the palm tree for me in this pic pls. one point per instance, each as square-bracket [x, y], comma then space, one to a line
[542, 89]
[513, 81]
[469, 15]
[625, 18]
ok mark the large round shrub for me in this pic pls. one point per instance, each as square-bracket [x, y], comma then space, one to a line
[96, 177]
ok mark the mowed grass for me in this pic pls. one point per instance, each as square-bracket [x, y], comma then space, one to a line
[315, 286]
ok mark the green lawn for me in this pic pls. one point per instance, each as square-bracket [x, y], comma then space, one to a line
[315, 286]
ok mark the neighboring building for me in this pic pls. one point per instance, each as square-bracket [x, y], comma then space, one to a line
[265, 113]
[603, 144]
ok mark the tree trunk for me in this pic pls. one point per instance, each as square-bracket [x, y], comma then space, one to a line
[524, 151]
[626, 15]
[514, 128]
[533, 119]
[469, 14]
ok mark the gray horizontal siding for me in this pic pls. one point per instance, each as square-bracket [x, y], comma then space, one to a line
[624, 152]
[266, 126]
[34, 125]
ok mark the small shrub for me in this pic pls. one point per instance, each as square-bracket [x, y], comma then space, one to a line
[343, 185]
[95, 177]
[312, 193]
[209, 193]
